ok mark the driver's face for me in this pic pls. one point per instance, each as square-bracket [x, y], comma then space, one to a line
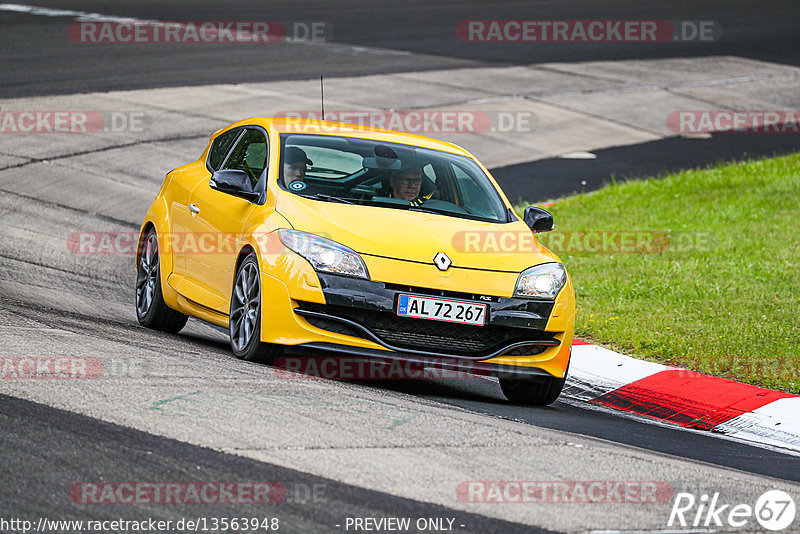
[293, 171]
[407, 185]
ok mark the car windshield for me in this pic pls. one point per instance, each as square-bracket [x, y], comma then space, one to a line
[388, 175]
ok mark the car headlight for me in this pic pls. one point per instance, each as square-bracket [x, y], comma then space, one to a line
[323, 254]
[542, 281]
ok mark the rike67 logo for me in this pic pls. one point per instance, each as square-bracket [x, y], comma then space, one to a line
[774, 511]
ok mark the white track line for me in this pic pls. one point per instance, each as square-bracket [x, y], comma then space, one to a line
[77, 15]
[85, 16]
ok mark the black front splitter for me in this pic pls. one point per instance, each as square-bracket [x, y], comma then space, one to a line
[462, 365]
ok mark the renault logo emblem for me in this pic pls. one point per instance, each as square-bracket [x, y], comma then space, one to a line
[441, 261]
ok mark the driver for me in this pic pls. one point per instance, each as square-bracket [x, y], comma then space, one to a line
[295, 162]
[406, 184]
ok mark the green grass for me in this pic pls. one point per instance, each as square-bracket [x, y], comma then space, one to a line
[723, 296]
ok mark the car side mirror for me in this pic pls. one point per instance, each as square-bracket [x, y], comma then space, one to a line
[234, 182]
[538, 220]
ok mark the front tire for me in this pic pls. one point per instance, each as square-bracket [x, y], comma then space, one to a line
[245, 318]
[539, 391]
[151, 310]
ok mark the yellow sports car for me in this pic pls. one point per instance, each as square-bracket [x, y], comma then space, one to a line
[312, 237]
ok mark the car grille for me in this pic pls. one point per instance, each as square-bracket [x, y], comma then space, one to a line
[526, 350]
[428, 335]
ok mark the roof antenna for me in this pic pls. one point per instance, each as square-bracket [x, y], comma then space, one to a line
[322, 96]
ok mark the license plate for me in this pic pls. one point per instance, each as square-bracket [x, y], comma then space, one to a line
[454, 311]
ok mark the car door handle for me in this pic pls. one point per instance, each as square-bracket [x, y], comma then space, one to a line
[194, 208]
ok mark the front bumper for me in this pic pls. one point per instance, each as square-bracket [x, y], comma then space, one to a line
[291, 289]
[366, 309]
[514, 340]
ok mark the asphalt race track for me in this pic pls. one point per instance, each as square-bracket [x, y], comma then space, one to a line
[42, 439]
[181, 408]
[411, 35]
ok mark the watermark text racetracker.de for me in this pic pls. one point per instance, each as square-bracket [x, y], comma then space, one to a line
[564, 492]
[178, 493]
[69, 367]
[356, 368]
[126, 242]
[190, 243]
[49, 367]
[421, 121]
[587, 31]
[741, 121]
[581, 242]
[72, 121]
[198, 32]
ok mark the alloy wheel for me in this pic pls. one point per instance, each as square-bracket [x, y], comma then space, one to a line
[245, 308]
[147, 275]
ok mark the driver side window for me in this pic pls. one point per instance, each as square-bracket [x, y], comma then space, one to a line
[220, 147]
[249, 155]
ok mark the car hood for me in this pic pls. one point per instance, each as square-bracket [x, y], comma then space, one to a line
[414, 236]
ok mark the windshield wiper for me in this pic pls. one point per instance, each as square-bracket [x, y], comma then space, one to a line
[330, 198]
[429, 210]
[408, 206]
[423, 209]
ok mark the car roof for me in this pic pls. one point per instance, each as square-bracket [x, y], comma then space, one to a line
[315, 127]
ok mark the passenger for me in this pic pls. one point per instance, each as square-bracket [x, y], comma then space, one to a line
[295, 162]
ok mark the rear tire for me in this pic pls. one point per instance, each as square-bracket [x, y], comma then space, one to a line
[538, 391]
[151, 310]
[245, 317]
